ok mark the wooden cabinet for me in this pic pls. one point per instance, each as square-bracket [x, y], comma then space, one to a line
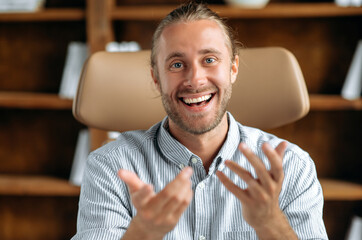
[38, 132]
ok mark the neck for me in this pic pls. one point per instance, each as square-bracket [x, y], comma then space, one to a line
[205, 145]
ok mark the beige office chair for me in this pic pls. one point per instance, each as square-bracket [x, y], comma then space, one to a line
[116, 91]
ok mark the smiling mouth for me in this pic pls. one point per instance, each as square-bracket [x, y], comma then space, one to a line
[200, 101]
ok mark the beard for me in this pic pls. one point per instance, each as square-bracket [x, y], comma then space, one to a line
[193, 123]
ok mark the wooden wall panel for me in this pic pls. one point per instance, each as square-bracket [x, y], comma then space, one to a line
[34, 218]
[322, 49]
[332, 138]
[37, 142]
[34, 60]
[338, 215]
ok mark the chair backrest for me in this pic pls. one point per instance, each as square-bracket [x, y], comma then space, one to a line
[116, 91]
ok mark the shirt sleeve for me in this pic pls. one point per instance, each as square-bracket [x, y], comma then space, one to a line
[302, 202]
[104, 207]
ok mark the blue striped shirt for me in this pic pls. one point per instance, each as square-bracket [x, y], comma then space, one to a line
[105, 207]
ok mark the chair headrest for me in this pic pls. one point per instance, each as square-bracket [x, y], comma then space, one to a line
[116, 91]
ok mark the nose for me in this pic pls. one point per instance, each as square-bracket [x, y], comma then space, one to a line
[196, 76]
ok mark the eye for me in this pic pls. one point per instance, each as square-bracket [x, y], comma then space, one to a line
[177, 65]
[210, 60]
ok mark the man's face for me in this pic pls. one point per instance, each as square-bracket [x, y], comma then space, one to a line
[195, 75]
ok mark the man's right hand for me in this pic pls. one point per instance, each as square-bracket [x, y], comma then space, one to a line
[157, 214]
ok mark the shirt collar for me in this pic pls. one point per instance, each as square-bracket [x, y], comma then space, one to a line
[229, 147]
[180, 155]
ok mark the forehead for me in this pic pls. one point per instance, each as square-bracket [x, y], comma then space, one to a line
[192, 36]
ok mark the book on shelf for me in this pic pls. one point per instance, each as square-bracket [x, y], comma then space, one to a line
[81, 153]
[352, 86]
[77, 53]
[131, 46]
[355, 229]
[21, 5]
[348, 3]
[82, 150]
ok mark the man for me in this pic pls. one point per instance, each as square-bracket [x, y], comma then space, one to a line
[199, 174]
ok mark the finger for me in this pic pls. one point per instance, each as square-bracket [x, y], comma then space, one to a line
[257, 164]
[142, 196]
[181, 209]
[281, 148]
[241, 194]
[182, 181]
[175, 207]
[255, 188]
[275, 159]
[240, 171]
[257, 191]
[131, 179]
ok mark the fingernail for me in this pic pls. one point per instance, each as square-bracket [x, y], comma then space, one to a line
[188, 171]
[121, 173]
[267, 146]
[242, 146]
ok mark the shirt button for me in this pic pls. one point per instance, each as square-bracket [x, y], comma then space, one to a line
[202, 238]
[201, 185]
[194, 160]
[182, 165]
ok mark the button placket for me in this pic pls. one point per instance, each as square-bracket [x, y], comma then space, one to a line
[200, 214]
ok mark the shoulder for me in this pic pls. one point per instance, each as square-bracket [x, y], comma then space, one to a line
[128, 141]
[126, 147]
[255, 138]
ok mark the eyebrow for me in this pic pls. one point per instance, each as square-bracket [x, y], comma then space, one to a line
[173, 55]
[202, 51]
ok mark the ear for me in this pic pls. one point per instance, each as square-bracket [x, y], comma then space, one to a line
[155, 79]
[234, 69]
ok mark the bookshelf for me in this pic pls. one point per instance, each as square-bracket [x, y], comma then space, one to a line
[39, 133]
[45, 15]
[319, 102]
[274, 10]
[11, 185]
[30, 100]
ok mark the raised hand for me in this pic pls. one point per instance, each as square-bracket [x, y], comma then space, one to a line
[260, 200]
[157, 214]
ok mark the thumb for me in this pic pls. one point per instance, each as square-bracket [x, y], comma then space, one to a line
[131, 179]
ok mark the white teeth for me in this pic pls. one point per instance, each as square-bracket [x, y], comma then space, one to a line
[197, 100]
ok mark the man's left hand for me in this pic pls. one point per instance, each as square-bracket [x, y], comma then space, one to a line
[260, 200]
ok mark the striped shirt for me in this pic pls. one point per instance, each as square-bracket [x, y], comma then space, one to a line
[105, 207]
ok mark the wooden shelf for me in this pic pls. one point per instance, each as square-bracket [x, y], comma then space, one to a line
[50, 186]
[334, 190]
[36, 186]
[273, 10]
[44, 15]
[319, 102]
[26, 100]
